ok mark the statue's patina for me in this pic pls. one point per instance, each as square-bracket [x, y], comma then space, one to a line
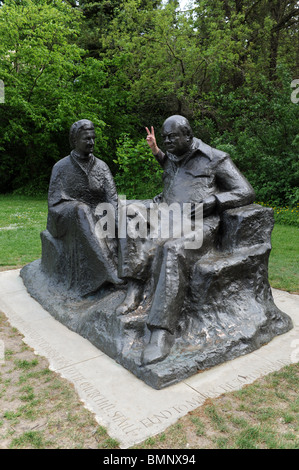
[162, 306]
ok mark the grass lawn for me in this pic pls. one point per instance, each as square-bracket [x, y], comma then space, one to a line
[284, 258]
[21, 221]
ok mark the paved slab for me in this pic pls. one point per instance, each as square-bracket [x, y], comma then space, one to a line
[130, 410]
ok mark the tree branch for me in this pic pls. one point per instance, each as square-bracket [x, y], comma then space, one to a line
[35, 82]
[283, 22]
[251, 9]
[176, 57]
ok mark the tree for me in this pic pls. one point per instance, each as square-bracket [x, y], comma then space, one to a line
[284, 14]
[260, 24]
[38, 64]
[253, 117]
[213, 65]
[227, 65]
[98, 16]
[161, 70]
[48, 86]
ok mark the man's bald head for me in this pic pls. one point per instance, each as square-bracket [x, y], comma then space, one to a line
[177, 135]
[181, 122]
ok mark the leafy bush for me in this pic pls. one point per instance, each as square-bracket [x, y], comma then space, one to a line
[139, 175]
[285, 215]
[261, 135]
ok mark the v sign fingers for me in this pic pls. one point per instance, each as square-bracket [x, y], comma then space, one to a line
[151, 140]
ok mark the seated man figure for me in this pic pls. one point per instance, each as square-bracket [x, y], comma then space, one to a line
[79, 182]
[193, 173]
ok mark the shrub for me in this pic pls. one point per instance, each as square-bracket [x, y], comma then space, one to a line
[139, 175]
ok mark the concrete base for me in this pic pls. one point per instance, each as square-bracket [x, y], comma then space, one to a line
[131, 410]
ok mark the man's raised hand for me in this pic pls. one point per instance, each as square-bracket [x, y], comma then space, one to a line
[151, 140]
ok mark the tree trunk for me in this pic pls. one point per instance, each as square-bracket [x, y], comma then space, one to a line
[274, 43]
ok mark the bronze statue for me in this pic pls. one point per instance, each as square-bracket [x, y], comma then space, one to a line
[163, 306]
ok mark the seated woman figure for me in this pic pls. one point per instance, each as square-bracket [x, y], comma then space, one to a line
[79, 182]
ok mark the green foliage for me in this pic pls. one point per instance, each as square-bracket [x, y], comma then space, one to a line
[38, 64]
[227, 66]
[261, 134]
[139, 175]
[98, 15]
[216, 67]
[48, 86]
[285, 215]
